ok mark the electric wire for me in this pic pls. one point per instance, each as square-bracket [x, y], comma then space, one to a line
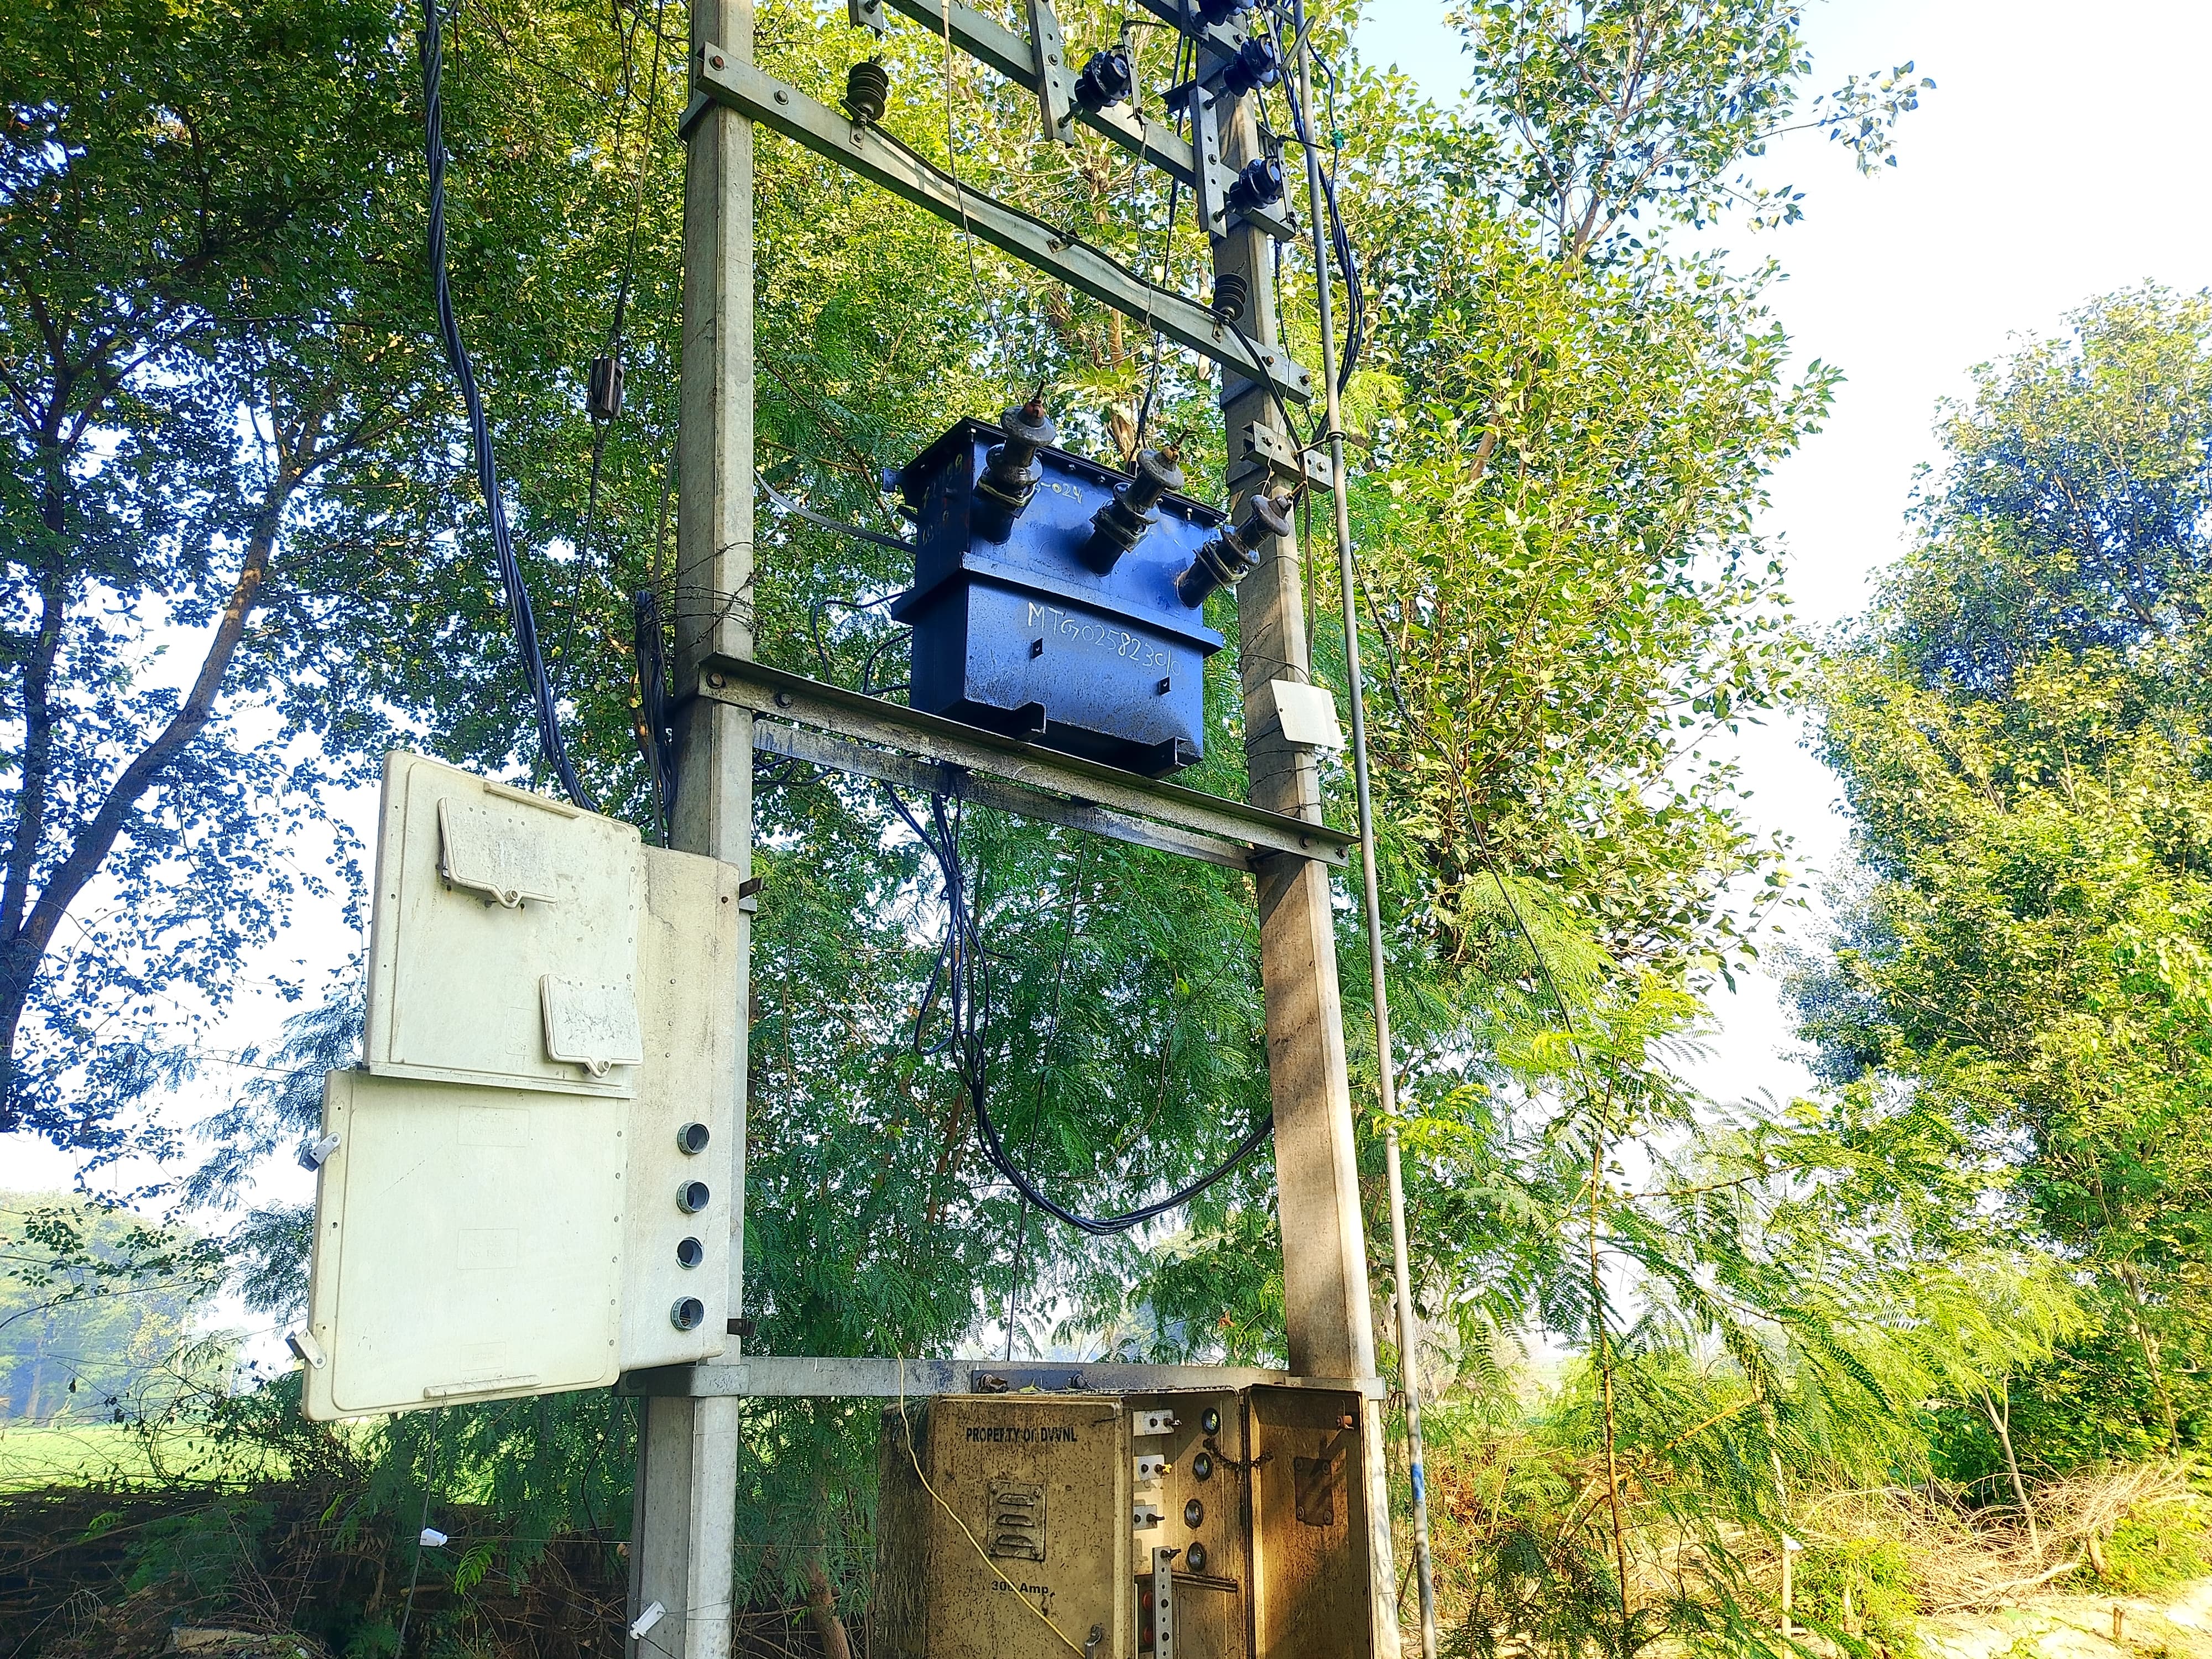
[601, 428]
[1167, 254]
[960, 978]
[525, 622]
[789, 509]
[1386, 1062]
[1301, 52]
[951, 173]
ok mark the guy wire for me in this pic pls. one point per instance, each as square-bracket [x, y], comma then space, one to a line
[1385, 1058]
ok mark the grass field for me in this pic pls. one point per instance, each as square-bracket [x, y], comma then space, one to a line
[36, 1455]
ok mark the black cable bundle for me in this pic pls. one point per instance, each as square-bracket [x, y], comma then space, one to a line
[1355, 296]
[960, 976]
[654, 728]
[457, 354]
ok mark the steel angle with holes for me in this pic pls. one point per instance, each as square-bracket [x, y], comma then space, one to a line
[1090, 796]
[504, 948]
[467, 1245]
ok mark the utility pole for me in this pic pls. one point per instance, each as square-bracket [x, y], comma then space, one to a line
[1409, 1329]
[1326, 1309]
[688, 1452]
[683, 1528]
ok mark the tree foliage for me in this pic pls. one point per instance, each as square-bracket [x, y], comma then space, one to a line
[1562, 431]
[2020, 728]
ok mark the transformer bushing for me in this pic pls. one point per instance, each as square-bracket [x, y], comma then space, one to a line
[1230, 557]
[1120, 525]
[1018, 632]
[1011, 471]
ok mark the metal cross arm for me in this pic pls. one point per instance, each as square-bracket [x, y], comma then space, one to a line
[992, 44]
[998, 47]
[1015, 776]
[762, 98]
[761, 1377]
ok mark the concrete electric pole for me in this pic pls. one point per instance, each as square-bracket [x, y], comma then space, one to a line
[685, 1523]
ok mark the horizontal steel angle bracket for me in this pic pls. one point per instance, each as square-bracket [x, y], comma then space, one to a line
[1253, 831]
[819, 749]
[998, 47]
[798, 1377]
[785, 109]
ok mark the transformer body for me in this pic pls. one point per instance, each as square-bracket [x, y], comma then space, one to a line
[1255, 1494]
[1019, 635]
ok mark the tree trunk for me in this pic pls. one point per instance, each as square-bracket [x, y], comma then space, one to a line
[23, 945]
[821, 1604]
[2002, 1422]
[2149, 1344]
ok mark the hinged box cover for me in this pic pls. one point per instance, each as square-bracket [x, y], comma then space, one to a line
[467, 1245]
[504, 944]
[1312, 1594]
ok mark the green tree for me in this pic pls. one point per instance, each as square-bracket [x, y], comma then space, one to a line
[95, 1306]
[2021, 727]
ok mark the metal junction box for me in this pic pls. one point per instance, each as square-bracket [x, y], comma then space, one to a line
[1213, 1525]
[1020, 634]
[531, 1185]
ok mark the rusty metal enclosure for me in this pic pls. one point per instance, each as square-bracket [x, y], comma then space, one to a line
[1027, 1526]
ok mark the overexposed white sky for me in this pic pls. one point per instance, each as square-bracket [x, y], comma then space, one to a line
[2061, 155]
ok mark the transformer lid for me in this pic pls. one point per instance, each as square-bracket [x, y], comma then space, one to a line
[966, 432]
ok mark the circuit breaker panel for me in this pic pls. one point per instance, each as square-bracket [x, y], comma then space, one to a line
[1216, 1525]
[545, 1121]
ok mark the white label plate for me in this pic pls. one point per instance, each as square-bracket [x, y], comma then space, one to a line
[501, 855]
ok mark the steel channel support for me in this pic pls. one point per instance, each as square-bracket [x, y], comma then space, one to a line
[1056, 78]
[841, 754]
[724, 80]
[683, 1531]
[1326, 1308]
[845, 714]
[809, 1377]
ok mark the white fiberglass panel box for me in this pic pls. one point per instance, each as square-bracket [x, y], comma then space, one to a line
[691, 985]
[503, 948]
[467, 1245]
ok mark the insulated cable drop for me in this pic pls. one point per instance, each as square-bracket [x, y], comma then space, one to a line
[959, 977]
[457, 354]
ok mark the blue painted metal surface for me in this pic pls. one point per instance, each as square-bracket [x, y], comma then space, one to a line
[1020, 635]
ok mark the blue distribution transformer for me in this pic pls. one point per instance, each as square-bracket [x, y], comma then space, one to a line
[1061, 601]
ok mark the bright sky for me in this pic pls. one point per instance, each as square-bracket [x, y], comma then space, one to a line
[2060, 157]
